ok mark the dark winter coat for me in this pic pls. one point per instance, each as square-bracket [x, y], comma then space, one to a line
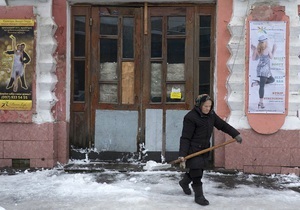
[196, 134]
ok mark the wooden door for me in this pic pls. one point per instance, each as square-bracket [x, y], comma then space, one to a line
[106, 68]
[133, 65]
[115, 77]
[80, 98]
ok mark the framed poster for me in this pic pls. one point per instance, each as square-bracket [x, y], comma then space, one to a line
[16, 65]
[267, 67]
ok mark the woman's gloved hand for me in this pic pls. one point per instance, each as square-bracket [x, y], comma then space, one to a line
[239, 139]
[182, 162]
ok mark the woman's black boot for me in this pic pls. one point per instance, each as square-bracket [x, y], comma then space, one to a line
[184, 184]
[199, 197]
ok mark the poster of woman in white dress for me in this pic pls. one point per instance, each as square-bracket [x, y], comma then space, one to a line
[16, 63]
[267, 69]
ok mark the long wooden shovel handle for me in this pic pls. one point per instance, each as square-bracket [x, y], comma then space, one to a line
[204, 151]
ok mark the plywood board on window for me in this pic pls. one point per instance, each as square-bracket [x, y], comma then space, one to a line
[127, 82]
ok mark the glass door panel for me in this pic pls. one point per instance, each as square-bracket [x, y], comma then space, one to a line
[168, 61]
[117, 56]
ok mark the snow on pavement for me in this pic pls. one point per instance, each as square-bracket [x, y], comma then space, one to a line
[144, 190]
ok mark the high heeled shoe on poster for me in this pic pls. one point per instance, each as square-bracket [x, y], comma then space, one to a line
[260, 105]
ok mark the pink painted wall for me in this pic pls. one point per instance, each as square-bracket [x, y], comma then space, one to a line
[265, 154]
[259, 153]
[60, 18]
[44, 144]
[28, 141]
[223, 13]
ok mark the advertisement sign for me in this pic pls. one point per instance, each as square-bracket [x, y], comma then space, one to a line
[267, 67]
[16, 65]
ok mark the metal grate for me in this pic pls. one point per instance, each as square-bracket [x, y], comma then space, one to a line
[20, 163]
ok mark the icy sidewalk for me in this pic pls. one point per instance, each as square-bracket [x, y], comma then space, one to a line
[127, 186]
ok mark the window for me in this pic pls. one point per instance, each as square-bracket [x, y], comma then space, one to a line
[116, 73]
[167, 63]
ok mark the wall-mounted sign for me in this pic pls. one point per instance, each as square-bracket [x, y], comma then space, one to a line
[176, 93]
[16, 65]
[267, 67]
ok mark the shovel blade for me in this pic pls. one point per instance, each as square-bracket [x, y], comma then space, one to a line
[153, 166]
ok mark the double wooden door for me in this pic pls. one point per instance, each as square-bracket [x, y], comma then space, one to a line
[134, 59]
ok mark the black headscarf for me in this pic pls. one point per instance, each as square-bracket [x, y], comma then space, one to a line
[201, 99]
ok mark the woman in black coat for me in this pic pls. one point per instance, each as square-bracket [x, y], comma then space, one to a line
[198, 125]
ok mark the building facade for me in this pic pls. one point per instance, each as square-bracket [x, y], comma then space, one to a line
[115, 78]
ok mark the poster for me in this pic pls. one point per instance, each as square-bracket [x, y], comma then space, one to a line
[16, 65]
[267, 67]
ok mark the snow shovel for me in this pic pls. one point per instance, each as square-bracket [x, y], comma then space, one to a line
[168, 165]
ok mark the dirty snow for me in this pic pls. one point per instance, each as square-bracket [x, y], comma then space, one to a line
[144, 190]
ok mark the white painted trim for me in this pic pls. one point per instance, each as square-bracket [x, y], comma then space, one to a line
[26, 2]
[3, 3]
[45, 63]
